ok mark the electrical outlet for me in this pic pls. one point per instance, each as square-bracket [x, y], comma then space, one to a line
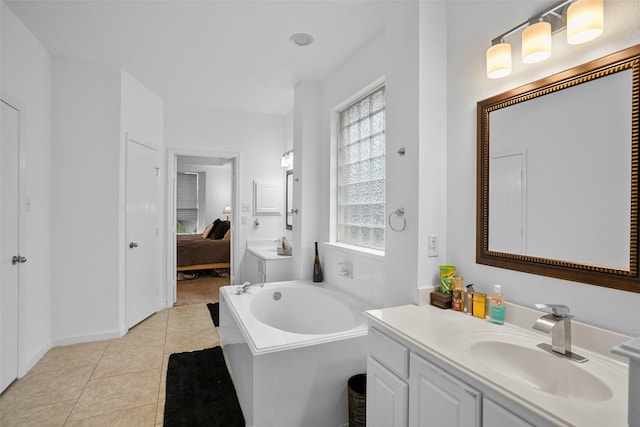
[434, 245]
[244, 207]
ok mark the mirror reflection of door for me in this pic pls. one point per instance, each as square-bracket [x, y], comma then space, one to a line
[289, 200]
[507, 203]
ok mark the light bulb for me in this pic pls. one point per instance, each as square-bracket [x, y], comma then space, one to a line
[499, 60]
[536, 42]
[585, 21]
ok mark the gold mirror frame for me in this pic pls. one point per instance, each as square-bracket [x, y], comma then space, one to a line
[629, 280]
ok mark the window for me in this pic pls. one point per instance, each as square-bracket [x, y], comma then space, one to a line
[187, 203]
[361, 172]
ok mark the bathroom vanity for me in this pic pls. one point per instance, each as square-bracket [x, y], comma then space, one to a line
[428, 366]
[265, 265]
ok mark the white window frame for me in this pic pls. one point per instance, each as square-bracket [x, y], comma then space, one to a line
[335, 128]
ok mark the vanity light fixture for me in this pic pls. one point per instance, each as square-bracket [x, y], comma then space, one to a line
[583, 20]
[286, 160]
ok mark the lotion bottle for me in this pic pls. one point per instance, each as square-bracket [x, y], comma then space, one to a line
[497, 303]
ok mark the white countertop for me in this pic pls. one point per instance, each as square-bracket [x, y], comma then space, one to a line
[446, 333]
[267, 253]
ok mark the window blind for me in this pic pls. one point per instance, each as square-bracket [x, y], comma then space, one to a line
[187, 201]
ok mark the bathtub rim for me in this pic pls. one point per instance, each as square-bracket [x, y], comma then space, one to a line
[285, 340]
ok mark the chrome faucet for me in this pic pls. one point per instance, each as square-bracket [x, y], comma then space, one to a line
[558, 324]
[247, 285]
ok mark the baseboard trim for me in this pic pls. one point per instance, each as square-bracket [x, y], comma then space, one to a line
[78, 339]
[29, 364]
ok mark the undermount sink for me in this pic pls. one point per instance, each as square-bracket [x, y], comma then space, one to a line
[516, 357]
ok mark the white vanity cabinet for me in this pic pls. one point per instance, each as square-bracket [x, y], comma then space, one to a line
[495, 415]
[439, 399]
[406, 387]
[265, 265]
[465, 371]
[387, 376]
[254, 267]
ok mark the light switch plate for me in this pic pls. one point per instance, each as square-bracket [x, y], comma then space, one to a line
[244, 207]
[434, 245]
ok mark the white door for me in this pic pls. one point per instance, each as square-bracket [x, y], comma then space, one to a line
[10, 257]
[142, 278]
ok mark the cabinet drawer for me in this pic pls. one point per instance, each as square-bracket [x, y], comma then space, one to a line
[389, 352]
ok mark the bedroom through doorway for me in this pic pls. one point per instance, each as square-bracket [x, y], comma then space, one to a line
[203, 240]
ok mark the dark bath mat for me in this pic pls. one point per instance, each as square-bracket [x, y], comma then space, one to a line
[200, 391]
[214, 309]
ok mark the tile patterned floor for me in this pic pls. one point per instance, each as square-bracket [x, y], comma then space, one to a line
[118, 382]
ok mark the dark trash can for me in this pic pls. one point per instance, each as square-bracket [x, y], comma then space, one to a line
[357, 393]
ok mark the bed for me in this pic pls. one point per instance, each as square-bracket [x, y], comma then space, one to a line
[197, 253]
[209, 250]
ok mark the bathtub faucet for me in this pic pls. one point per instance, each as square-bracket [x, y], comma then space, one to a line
[247, 285]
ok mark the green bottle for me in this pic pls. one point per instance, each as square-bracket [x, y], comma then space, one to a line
[497, 303]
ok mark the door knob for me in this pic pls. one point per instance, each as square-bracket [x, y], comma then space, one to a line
[17, 259]
[133, 245]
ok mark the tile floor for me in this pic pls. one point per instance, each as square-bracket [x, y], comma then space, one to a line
[118, 382]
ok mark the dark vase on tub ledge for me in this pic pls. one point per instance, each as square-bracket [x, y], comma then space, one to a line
[317, 268]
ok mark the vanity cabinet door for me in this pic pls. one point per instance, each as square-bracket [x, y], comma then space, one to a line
[494, 415]
[439, 399]
[278, 270]
[387, 397]
[253, 275]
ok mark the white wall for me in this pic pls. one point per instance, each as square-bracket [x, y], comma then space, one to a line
[256, 139]
[26, 80]
[393, 56]
[218, 186]
[86, 201]
[95, 108]
[432, 170]
[308, 181]
[402, 70]
[470, 27]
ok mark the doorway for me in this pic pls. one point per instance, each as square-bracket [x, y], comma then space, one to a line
[214, 199]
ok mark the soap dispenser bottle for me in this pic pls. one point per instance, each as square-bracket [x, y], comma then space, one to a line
[497, 303]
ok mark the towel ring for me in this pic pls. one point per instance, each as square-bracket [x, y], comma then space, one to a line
[399, 213]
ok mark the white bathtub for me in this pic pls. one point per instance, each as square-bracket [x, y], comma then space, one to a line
[290, 356]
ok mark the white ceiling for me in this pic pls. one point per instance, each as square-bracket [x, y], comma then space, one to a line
[232, 55]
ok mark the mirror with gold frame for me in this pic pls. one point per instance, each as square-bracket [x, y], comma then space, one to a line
[557, 175]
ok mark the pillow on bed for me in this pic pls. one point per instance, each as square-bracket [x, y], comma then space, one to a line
[219, 231]
[213, 226]
[207, 230]
[227, 235]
